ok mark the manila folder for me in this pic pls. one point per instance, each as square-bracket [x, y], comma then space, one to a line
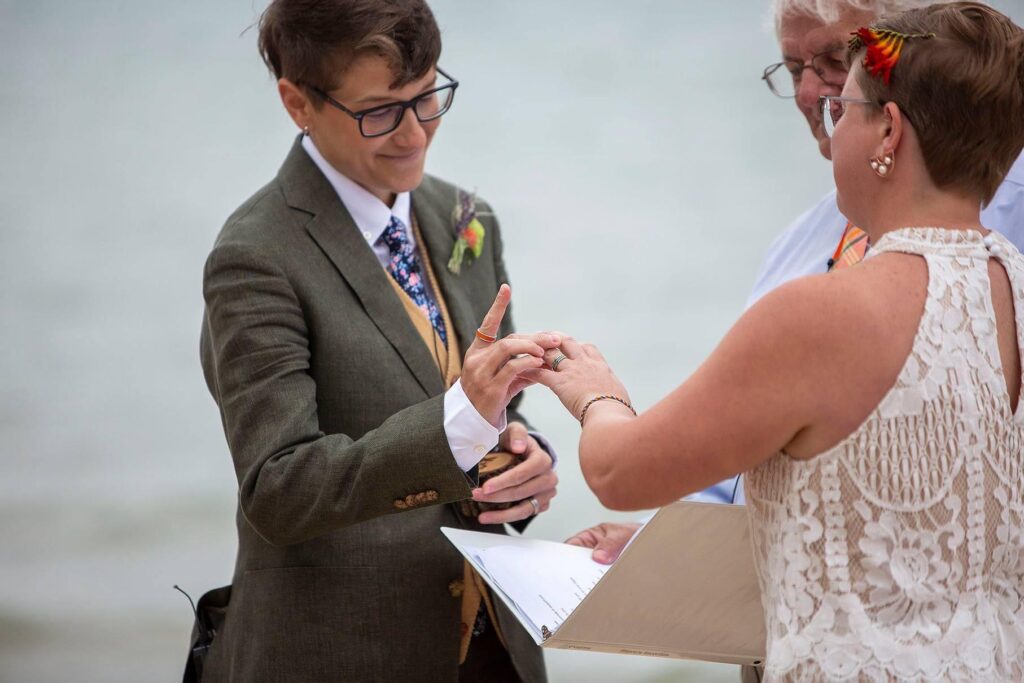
[685, 587]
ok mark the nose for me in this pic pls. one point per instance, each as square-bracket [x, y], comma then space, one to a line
[410, 131]
[811, 88]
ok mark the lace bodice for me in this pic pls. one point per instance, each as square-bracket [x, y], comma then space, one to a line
[899, 553]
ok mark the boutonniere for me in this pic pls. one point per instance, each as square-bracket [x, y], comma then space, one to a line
[469, 231]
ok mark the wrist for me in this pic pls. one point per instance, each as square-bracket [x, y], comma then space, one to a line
[496, 419]
[469, 433]
[606, 401]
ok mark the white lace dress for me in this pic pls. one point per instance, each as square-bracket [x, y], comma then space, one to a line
[899, 553]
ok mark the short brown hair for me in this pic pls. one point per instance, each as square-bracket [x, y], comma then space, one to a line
[313, 42]
[962, 91]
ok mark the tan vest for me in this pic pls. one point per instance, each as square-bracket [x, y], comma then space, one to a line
[449, 362]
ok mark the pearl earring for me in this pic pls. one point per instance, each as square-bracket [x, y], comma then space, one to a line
[305, 131]
[883, 165]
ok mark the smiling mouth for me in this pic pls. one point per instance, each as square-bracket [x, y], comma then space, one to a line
[404, 157]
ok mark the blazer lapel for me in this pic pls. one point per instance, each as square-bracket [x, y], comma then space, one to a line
[333, 229]
[433, 215]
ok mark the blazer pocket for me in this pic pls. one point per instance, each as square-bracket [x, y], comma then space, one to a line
[301, 623]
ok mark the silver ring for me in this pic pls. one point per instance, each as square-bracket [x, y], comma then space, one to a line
[536, 506]
[558, 359]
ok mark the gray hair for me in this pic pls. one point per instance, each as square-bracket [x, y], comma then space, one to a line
[829, 11]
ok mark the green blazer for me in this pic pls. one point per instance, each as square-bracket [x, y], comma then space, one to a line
[333, 410]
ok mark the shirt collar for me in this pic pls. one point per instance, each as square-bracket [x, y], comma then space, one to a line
[370, 214]
[1016, 173]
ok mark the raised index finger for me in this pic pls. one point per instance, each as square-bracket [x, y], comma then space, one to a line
[491, 326]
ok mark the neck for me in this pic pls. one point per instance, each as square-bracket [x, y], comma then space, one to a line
[384, 195]
[929, 208]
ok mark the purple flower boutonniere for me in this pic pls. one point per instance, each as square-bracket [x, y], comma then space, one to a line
[469, 231]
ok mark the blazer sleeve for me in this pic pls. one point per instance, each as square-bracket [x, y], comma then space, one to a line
[295, 481]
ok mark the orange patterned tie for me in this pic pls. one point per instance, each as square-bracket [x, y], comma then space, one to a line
[851, 249]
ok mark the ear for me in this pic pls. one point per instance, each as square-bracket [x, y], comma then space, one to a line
[892, 128]
[296, 102]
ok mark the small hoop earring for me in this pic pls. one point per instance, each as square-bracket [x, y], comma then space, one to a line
[883, 165]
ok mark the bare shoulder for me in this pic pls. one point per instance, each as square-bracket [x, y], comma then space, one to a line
[845, 336]
[827, 308]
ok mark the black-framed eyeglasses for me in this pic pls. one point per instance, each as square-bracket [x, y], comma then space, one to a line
[783, 78]
[833, 107]
[385, 118]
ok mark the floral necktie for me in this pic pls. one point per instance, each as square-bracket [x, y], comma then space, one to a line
[405, 268]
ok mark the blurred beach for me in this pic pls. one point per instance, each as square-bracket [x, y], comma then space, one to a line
[638, 164]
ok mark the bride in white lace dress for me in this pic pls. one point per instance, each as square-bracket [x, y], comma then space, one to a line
[876, 408]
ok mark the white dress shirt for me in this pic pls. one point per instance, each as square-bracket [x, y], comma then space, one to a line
[470, 435]
[806, 246]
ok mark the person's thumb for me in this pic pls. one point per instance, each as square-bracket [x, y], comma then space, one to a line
[515, 437]
[607, 550]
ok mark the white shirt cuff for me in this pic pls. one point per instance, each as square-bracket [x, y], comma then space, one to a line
[470, 435]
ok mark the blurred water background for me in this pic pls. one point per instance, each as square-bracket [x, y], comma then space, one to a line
[639, 166]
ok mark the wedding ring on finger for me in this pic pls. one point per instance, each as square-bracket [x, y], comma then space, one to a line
[484, 337]
[536, 506]
[558, 359]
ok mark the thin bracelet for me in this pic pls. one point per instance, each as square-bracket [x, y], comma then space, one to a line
[607, 397]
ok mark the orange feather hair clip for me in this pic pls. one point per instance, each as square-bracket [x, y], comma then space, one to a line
[884, 49]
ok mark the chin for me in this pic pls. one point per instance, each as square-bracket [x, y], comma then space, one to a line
[825, 147]
[818, 131]
[397, 184]
[409, 183]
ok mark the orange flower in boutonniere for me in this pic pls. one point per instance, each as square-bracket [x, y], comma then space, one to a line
[469, 231]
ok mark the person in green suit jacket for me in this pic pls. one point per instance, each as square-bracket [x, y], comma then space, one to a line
[356, 343]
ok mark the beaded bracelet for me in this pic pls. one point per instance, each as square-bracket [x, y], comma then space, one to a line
[607, 397]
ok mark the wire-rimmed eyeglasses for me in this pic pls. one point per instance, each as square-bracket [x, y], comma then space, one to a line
[833, 107]
[783, 78]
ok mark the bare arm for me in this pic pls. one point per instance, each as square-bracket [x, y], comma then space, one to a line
[767, 381]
